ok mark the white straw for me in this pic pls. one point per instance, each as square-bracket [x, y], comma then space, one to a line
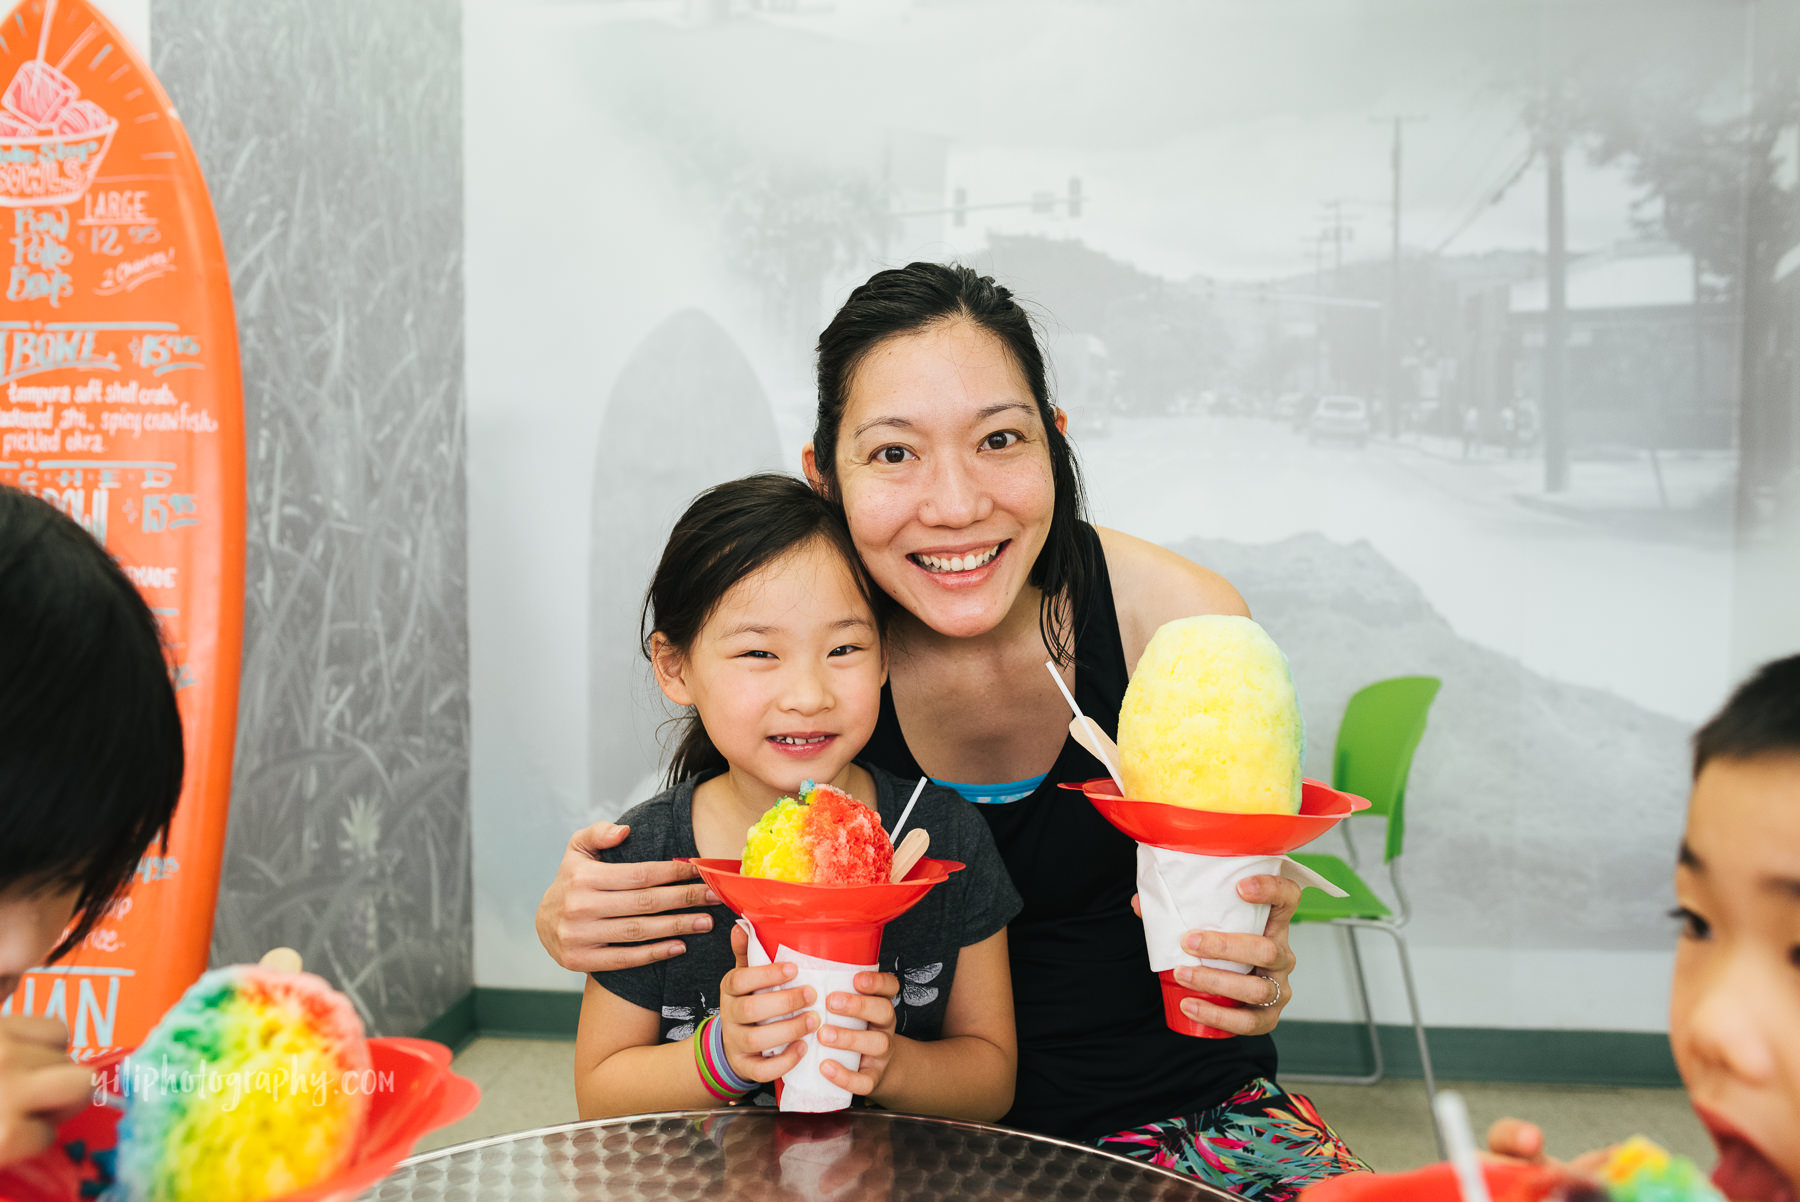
[1459, 1138]
[919, 788]
[1062, 688]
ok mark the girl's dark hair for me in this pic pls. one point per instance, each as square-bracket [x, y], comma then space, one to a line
[90, 737]
[1762, 718]
[728, 534]
[907, 300]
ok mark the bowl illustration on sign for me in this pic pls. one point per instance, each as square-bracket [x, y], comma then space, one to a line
[51, 140]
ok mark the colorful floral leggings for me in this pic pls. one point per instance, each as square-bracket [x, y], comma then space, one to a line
[1261, 1143]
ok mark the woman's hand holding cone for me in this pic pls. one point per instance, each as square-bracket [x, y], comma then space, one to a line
[1268, 954]
[874, 1004]
[742, 1008]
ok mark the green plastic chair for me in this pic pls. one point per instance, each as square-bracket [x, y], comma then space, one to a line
[1381, 728]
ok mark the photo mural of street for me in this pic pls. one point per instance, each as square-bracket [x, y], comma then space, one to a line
[1459, 336]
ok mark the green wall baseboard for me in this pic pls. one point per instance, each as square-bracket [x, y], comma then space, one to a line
[1457, 1053]
[1483, 1054]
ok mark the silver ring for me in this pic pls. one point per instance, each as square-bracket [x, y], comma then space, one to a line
[1275, 981]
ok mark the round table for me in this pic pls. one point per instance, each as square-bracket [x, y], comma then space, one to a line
[761, 1154]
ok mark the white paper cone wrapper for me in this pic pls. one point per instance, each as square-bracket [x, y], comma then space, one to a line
[804, 1088]
[1180, 892]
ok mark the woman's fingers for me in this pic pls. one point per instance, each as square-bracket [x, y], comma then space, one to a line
[1258, 951]
[597, 916]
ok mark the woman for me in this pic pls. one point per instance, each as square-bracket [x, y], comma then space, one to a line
[936, 434]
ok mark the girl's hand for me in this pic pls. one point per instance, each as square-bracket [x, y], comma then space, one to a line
[742, 1008]
[1516, 1139]
[873, 1002]
[1268, 955]
[39, 1087]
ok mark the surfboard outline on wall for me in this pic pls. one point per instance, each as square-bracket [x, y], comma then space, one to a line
[686, 412]
[121, 402]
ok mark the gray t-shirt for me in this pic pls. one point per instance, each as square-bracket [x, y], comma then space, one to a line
[919, 947]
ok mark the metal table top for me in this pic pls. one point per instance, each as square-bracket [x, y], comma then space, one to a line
[757, 1154]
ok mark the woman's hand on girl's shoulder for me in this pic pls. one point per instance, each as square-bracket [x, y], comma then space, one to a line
[598, 916]
[743, 1015]
[873, 1002]
[1152, 585]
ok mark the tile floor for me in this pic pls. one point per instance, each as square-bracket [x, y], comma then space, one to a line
[526, 1083]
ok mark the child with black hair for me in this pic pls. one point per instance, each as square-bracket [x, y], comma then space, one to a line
[1734, 1012]
[763, 622]
[90, 770]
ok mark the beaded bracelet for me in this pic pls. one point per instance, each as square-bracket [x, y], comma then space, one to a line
[715, 1070]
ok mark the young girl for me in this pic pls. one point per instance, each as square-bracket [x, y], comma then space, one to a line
[90, 767]
[1734, 1012]
[764, 623]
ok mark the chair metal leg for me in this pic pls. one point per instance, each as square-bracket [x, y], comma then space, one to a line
[1412, 1002]
[1368, 1011]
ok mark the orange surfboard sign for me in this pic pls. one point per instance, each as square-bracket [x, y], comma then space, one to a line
[121, 403]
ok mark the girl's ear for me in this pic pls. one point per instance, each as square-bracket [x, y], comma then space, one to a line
[669, 665]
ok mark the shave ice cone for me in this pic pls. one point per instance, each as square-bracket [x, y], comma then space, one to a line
[1210, 739]
[814, 890]
[832, 932]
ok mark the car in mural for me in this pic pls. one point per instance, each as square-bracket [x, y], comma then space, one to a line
[1342, 418]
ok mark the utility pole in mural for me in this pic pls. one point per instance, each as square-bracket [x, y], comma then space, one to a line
[121, 404]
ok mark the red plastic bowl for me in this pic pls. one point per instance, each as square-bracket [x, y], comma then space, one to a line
[426, 1096]
[1512, 1182]
[838, 922]
[1216, 833]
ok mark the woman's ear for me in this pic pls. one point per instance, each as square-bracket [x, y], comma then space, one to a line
[1062, 420]
[669, 665]
[809, 465]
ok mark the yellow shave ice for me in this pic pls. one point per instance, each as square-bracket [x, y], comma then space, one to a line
[1210, 720]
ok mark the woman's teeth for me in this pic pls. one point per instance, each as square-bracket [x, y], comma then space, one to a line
[957, 563]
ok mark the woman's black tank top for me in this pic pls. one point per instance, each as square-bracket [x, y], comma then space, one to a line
[1094, 1054]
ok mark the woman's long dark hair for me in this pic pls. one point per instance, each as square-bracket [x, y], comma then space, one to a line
[90, 737]
[728, 534]
[906, 300]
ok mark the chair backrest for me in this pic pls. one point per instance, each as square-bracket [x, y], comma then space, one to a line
[1381, 728]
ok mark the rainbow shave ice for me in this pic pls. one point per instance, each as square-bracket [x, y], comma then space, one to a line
[1210, 720]
[822, 837]
[255, 1084]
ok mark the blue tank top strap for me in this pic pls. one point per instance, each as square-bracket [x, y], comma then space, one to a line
[995, 795]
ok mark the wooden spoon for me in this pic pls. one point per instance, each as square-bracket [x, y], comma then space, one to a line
[909, 852]
[281, 959]
[1087, 732]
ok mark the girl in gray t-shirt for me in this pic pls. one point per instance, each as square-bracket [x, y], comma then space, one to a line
[764, 624]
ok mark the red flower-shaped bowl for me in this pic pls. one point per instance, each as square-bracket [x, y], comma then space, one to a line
[1215, 832]
[424, 1096]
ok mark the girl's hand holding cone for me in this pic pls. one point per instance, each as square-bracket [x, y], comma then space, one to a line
[742, 1009]
[874, 1004]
